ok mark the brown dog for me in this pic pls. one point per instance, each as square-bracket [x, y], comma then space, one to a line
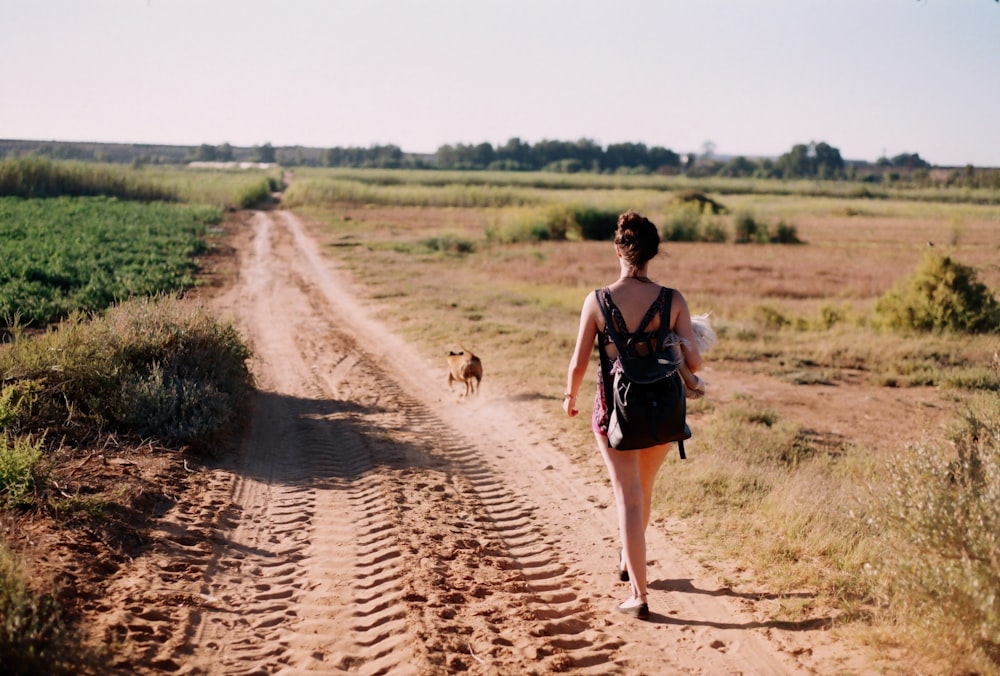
[464, 367]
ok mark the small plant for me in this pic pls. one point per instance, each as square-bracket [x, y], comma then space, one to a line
[35, 634]
[19, 465]
[942, 295]
[747, 229]
[785, 233]
[771, 318]
[449, 244]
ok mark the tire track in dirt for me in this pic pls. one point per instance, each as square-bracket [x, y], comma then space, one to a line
[365, 529]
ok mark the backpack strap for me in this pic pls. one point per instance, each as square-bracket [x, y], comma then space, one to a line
[613, 332]
[605, 361]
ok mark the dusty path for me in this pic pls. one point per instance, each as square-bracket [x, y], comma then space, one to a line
[369, 527]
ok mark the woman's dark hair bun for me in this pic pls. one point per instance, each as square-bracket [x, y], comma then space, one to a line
[637, 238]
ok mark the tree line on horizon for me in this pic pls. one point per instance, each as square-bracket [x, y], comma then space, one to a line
[803, 161]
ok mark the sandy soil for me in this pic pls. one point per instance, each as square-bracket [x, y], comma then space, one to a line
[369, 524]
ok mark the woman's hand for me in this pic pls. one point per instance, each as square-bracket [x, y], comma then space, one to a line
[569, 405]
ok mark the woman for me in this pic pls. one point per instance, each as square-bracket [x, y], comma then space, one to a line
[636, 303]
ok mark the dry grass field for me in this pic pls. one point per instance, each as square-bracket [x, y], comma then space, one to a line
[809, 404]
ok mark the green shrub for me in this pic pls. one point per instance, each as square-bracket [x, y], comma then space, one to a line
[596, 224]
[19, 462]
[942, 523]
[683, 225]
[942, 295]
[14, 398]
[770, 318]
[518, 225]
[747, 229]
[449, 244]
[785, 233]
[714, 231]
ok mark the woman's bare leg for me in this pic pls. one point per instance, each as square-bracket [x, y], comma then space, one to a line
[650, 461]
[632, 475]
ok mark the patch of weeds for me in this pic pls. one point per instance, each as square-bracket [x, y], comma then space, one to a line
[940, 513]
[20, 460]
[972, 378]
[811, 377]
[450, 244]
[92, 506]
[36, 636]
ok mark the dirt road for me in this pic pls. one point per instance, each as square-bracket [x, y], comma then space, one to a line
[371, 525]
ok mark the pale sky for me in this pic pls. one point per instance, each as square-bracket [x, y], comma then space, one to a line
[753, 77]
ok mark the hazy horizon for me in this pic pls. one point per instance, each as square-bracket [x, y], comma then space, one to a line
[871, 78]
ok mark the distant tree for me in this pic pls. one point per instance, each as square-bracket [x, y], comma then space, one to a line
[565, 166]
[264, 153]
[205, 153]
[385, 157]
[224, 153]
[482, 155]
[661, 158]
[829, 163]
[620, 155]
[516, 154]
[446, 157]
[588, 152]
[707, 150]
[816, 160]
[738, 167]
[796, 163]
[766, 168]
[546, 152]
[910, 161]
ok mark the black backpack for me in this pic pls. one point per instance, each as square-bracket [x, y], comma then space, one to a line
[645, 398]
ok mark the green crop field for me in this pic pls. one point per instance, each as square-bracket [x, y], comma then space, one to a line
[60, 255]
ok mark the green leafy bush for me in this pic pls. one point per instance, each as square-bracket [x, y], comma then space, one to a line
[683, 225]
[19, 460]
[596, 224]
[942, 295]
[785, 233]
[747, 229]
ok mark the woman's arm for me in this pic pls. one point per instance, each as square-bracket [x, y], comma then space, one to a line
[580, 360]
[682, 327]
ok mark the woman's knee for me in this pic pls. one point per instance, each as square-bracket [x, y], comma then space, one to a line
[632, 497]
